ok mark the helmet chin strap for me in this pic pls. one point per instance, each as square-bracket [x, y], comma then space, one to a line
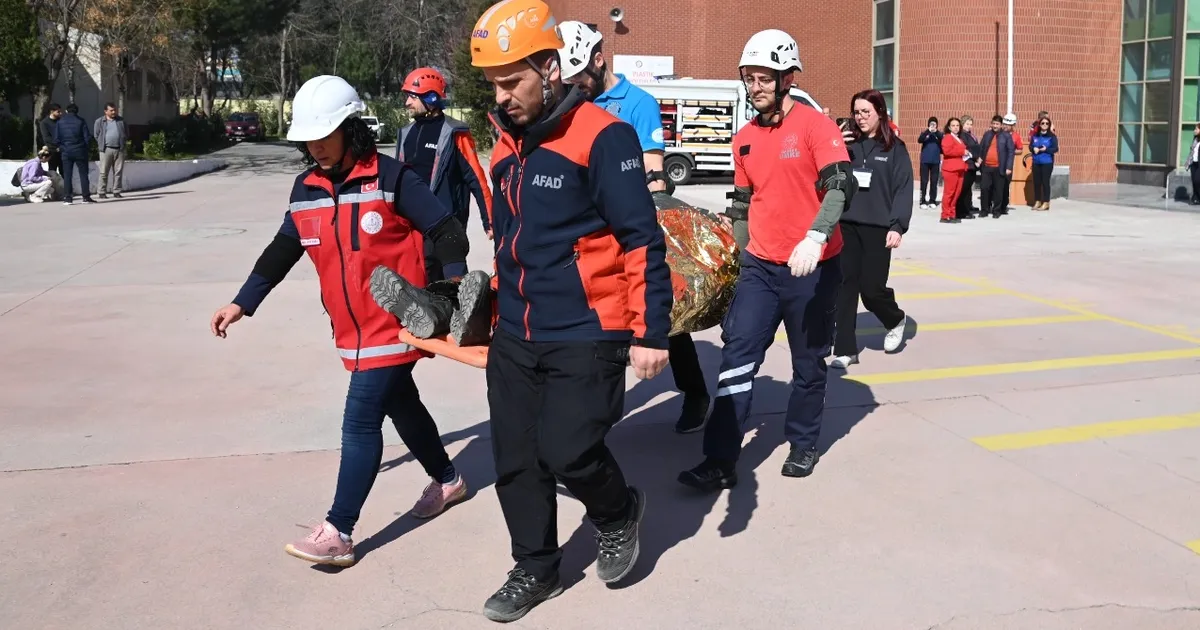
[547, 92]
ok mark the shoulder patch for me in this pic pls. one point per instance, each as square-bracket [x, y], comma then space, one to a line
[744, 149]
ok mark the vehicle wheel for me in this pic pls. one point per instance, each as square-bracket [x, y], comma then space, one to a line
[678, 169]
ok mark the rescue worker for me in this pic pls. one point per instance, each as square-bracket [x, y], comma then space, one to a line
[582, 65]
[582, 288]
[794, 163]
[351, 210]
[442, 152]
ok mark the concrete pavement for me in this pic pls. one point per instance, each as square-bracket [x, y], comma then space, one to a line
[1028, 460]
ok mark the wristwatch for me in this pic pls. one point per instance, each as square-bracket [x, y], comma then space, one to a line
[817, 236]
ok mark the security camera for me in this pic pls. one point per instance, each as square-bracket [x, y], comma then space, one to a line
[616, 14]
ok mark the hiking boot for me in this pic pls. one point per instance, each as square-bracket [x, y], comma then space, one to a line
[439, 496]
[423, 313]
[324, 545]
[694, 414]
[619, 549]
[520, 593]
[712, 475]
[471, 324]
[800, 463]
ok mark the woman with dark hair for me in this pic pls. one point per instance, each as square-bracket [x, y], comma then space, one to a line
[966, 201]
[1044, 144]
[872, 226]
[931, 157]
[954, 167]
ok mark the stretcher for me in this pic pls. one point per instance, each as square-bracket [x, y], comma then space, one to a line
[445, 346]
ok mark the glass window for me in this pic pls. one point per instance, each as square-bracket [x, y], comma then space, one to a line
[1162, 18]
[1131, 102]
[1158, 59]
[1185, 142]
[1191, 56]
[1157, 138]
[1193, 15]
[885, 20]
[1135, 20]
[887, 98]
[1129, 142]
[1158, 102]
[885, 75]
[1191, 101]
[1133, 57]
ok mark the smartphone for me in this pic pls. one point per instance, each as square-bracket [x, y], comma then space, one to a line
[843, 124]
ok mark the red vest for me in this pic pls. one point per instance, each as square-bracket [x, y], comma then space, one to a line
[348, 232]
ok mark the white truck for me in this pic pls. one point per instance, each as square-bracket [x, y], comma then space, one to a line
[699, 118]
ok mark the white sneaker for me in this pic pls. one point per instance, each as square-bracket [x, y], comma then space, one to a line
[895, 336]
[843, 362]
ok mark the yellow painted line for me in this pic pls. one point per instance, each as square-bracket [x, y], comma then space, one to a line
[944, 295]
[1069, 306]
[1193, 545]
[907, 272]
[1087, 432]
[975, 324]
[995, 369]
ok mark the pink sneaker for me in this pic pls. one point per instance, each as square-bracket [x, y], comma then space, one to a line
[324, 546]
[437, 497]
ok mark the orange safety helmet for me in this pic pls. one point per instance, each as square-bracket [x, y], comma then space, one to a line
[422, 81]
[512, 30]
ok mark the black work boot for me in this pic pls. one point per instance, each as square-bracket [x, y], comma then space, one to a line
[694, 414]
[619, 550]
[800, 462]
[472, 322]
[712, 475]
[425, 314]
[520, 593]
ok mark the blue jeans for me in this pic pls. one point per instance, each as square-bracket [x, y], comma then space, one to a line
[766, 295]
[373, 394]
[70, 165]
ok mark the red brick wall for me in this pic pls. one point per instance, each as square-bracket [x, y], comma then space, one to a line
[1066, 61]
[706, 37]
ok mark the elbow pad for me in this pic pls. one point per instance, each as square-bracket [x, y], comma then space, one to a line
[839, 176]
[739, 207]
[450, 244]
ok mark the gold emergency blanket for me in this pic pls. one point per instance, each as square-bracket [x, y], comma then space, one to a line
[703, 258]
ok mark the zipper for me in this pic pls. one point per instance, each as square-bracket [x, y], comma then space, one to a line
[354, 245]
[337, 238]
[574, 257]
[519, 172]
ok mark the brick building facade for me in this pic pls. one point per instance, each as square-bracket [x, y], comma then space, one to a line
[1068, 59]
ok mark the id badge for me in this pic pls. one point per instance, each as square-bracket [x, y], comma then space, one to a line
[863, 176]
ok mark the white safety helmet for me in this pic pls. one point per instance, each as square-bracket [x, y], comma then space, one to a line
[320, 105]
[772, 49]
[1010, 119]
[579, 43]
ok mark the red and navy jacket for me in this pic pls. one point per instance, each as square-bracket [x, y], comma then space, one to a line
[375, 216]
[579, 252]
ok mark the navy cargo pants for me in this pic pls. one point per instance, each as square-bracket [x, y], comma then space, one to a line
[766, 295]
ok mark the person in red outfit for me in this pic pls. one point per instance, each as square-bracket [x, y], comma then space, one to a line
[954, 168]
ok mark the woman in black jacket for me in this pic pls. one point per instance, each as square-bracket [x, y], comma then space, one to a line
[872, 226]
[966, 201]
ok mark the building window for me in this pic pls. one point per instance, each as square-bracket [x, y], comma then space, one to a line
[1189, 114]
[1147, 67]
[883, 64]
[154, 87]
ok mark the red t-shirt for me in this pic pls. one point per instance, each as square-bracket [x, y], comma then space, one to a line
[781, 165]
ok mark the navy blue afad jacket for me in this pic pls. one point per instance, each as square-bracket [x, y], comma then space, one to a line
[579, 252]
[1006, 150]
[73, 136]
[457, 175]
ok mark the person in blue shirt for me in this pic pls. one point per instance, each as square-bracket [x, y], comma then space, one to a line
[581, 61]
[1044, 144]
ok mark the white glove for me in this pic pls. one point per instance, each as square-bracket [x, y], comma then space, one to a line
[805, 257]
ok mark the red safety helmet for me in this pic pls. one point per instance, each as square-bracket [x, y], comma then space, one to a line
[422, 81]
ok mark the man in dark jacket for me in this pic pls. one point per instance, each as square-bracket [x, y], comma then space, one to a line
[74, 138]
[996, 153]
[46, 137]
[931, 161]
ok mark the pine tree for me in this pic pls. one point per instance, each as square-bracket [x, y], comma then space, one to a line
[471, 89]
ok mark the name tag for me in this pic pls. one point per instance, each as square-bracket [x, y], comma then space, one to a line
[863, 176]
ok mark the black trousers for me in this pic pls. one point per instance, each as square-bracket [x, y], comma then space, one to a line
[552, 404]
[1195, 181]
[866, 262]
[1041, 182]
[966, 200]
[929, 182]
[685, 366]
[992, 187]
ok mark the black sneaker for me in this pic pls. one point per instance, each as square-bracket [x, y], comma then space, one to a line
[117, 195]
[89, 200]
[800, 463]
[694, 414]
[423, 313]
[472, 322]
[103, 196]
[619, 550]
[711, 475]
[520, 593]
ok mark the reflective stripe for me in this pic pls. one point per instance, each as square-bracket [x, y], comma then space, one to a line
[374, 195]
[734, 389]
[375, 351]
[301, 206]
[728, 374]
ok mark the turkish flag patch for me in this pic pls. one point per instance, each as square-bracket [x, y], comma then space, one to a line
[370, 186]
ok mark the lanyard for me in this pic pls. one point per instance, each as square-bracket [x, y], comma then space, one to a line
[867, 154]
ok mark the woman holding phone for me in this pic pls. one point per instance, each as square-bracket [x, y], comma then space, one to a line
[954, 168]
[873, 225]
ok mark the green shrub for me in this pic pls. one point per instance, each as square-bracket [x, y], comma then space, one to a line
[16, 137]
[155, 147]
[391, 112]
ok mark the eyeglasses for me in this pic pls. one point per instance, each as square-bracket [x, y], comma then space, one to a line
[863, 113]
[750, 81]
[1045, 124]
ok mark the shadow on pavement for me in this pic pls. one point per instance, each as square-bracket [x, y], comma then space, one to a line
[873, 339]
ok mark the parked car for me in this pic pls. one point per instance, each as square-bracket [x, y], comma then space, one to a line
[375, 126]
[244, 126]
